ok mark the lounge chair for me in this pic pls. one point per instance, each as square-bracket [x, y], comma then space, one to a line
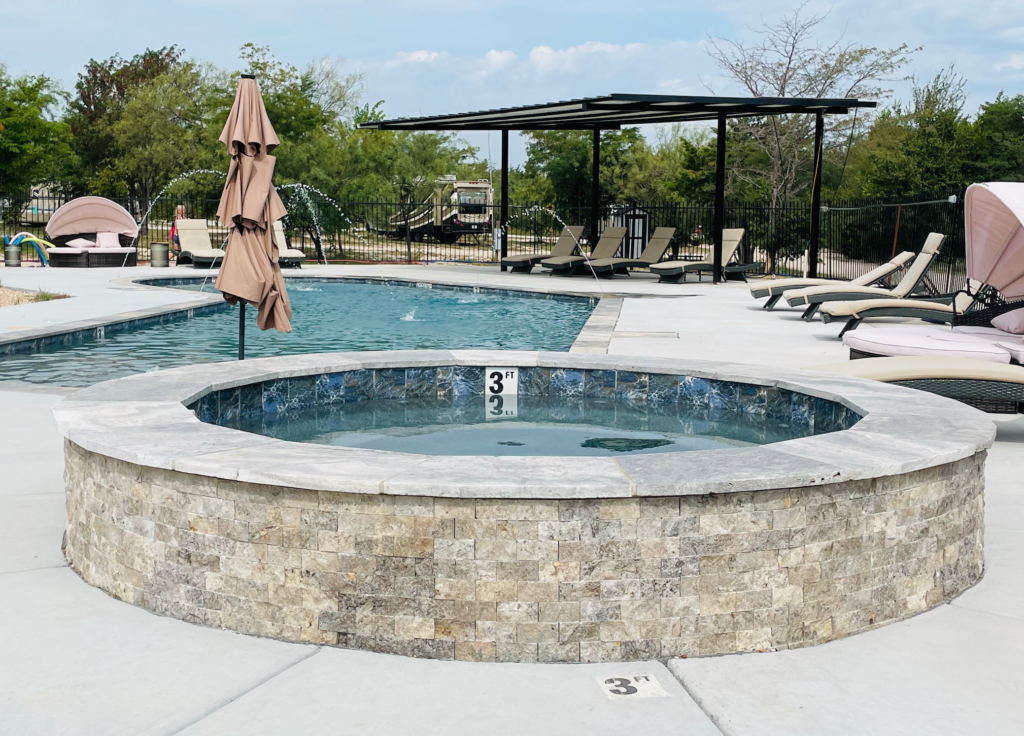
[564, 246]
[676, 271]
[606, 247]
[196, 248]
[776, 288]
[288, 257]
[654, 252]
[985, 385]
[936, 309]
[813, 297]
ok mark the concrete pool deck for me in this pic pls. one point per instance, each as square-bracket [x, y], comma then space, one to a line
[77, 661]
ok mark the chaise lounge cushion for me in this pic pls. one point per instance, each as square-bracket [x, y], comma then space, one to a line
[920, 368]
[933, 341]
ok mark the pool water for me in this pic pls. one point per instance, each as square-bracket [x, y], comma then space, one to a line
[328, 316]
[552, 426]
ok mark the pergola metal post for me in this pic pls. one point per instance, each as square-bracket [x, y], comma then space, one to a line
[504, 197]
[719, 196]
[812, 255]
[595, 189]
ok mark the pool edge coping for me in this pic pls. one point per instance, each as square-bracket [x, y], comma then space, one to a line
[143, 420]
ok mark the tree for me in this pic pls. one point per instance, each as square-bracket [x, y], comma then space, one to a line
[772, 155]
[32, 141]
[925, 146]
[166, 129]
[102, 91]
[1000, 131]
[687, 158]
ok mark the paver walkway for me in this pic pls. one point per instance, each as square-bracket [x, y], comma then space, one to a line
[75, 661]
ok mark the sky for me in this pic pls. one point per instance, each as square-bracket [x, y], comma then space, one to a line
[464, 55]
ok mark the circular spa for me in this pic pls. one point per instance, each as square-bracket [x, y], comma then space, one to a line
[523, 506]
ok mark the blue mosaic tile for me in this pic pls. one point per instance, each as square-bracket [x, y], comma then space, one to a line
[824, 415]
[846, 417]
[389, 383]
[631, 386]
[301, 392]
[566, 382]
[444, 382]
[694, 391]
[420, 383]
[467, 380]
[599, 384]
[723, 396]
[534, 381]
[779, 406]
[802, 413]
[358, 385]
[751, 399]
[330, 389]
[229, 410]
[662, 389]
[209, 408]
[251, 400]
[275, 396]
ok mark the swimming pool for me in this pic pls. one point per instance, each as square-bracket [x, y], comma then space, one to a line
[329, 315]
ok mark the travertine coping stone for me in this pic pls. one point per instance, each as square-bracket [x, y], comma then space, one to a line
[524, 558]
[142, 419]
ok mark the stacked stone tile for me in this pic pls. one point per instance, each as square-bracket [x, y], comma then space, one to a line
[528, 580]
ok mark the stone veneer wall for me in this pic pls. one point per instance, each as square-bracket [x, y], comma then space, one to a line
[528, 580]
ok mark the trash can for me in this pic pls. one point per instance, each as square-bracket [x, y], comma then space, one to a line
[12, 256]
[158, 255]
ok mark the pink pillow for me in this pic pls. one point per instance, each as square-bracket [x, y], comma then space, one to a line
[80, 243]
[1010, 322]
[107, 240]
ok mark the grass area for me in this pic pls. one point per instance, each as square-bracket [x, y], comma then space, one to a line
[13, 297]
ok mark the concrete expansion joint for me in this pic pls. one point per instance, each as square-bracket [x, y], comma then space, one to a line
[245, 691]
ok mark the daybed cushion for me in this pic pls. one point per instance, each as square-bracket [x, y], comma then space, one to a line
[1012, 322]
[112, 250]
[64, 250]
[918, 368]
[80, 243]
[935, 342]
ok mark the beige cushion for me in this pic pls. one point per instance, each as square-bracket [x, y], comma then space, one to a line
[856, 308]
[921, 367]
[80, 243]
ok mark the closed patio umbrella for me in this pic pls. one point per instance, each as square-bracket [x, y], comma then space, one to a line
[250, 273]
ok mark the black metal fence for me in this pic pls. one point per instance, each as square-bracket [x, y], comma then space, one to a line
[856, 235]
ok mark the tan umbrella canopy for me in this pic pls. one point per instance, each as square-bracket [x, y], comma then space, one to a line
[249, 203]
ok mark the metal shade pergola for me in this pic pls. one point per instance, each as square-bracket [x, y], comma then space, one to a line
[614, 111]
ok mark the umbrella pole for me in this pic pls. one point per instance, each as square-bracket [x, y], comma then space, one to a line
[241, 330]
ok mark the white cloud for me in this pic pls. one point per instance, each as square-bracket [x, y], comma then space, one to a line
[415, 57]
[495, 60]
[547, 59]
[1016, 61]
[675, 87]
